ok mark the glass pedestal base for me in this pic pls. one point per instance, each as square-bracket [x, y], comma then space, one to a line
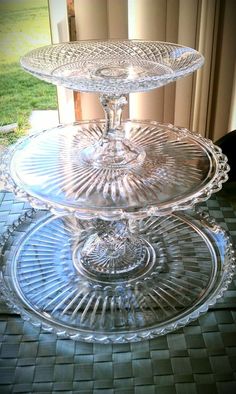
[111, 251]
[96, 281]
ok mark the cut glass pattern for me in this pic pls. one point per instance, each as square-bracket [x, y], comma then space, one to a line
[112, 67]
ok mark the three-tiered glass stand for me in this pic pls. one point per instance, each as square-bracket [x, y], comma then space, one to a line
[114, 258]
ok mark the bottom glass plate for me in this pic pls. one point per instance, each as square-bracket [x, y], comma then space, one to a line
[115, 281]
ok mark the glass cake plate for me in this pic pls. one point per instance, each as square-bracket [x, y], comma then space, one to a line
[76, 278]
[112, 67]
[58, 169]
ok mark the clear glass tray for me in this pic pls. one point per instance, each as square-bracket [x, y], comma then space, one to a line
[170, 270]
[112, 66]
[57, 169]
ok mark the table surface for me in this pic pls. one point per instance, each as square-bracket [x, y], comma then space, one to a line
[199, 358]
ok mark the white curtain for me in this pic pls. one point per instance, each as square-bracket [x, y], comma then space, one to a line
[203, 102]
[60, 33]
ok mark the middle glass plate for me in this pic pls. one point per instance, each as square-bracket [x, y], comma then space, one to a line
[57, 169]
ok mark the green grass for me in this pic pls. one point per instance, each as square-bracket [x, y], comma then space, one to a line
[24, 25]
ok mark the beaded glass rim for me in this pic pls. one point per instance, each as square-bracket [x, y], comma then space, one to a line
[227, 273]
[204, 193]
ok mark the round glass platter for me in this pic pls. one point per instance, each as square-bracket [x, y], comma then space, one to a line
[112, 66]
[185, 264]
[57, 169]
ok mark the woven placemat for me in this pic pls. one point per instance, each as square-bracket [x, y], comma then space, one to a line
[198, 359]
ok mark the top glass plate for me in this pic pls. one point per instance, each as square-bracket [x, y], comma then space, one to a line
[112, 66]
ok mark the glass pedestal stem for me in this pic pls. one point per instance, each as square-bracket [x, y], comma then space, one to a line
[113, 108]
[113, 150]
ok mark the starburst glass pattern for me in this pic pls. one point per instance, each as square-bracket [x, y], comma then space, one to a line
[114, 66]
[188, 264]
[173, 170]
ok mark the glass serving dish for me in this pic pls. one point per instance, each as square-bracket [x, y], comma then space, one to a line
[112, 67]
[114, 261]
[114, 286]
[175, 170]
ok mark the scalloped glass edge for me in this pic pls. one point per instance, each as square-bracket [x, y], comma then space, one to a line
[125, 337]
[202, 195]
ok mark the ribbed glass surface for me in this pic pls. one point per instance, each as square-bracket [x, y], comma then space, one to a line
[173, 169]
[156, 274]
